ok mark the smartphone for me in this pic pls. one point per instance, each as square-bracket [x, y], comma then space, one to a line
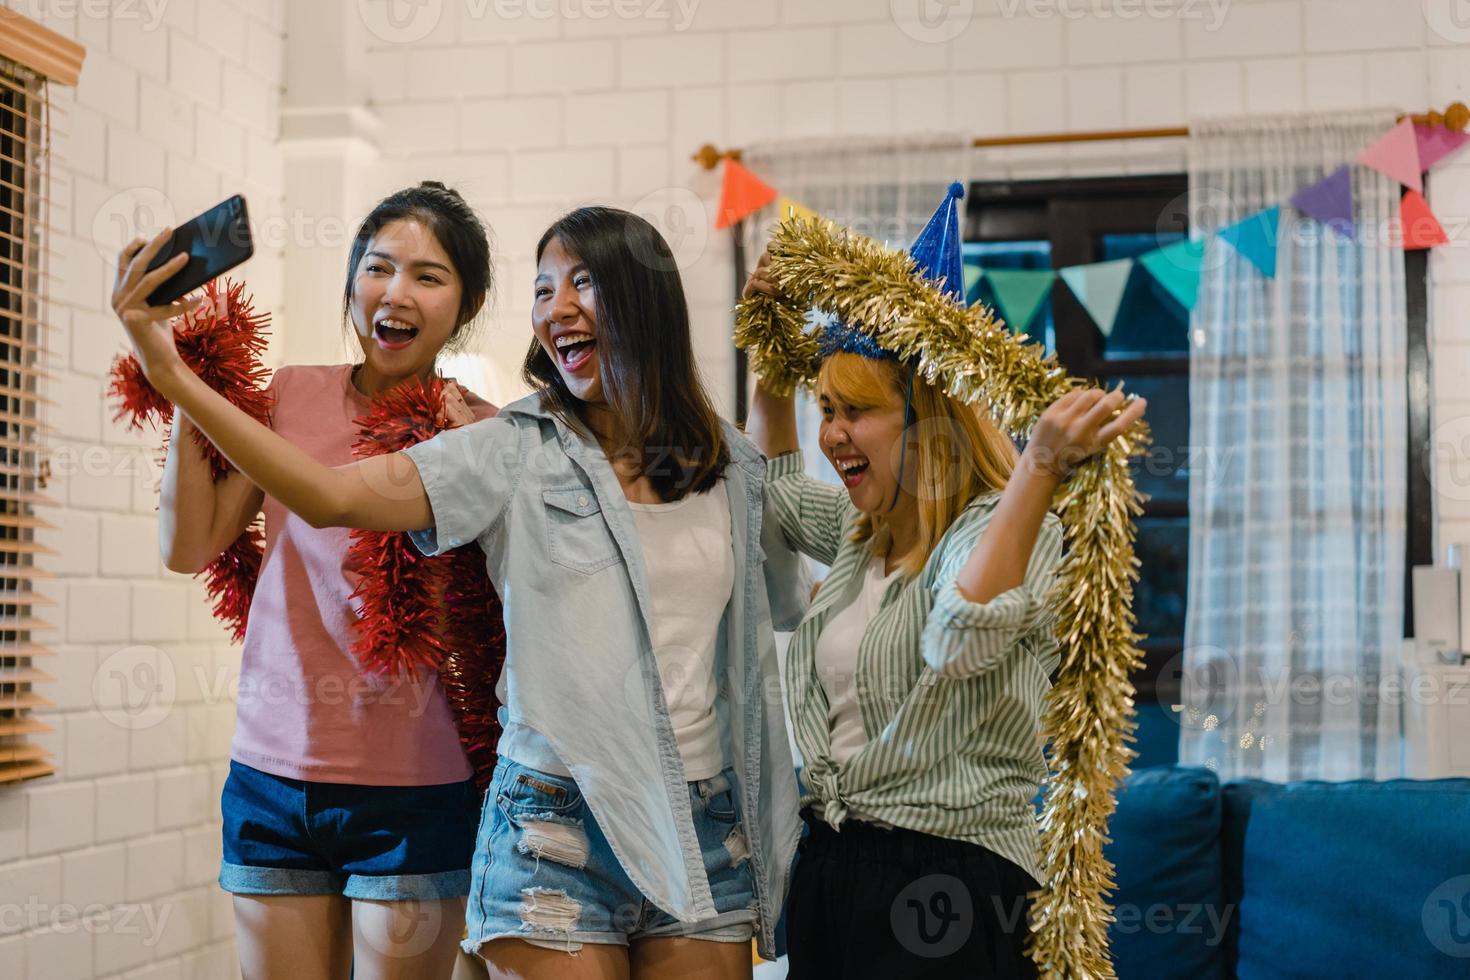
[216, 241]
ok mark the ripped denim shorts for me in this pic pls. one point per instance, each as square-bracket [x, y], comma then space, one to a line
[544, 873]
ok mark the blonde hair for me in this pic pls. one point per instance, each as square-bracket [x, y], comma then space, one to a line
[958, 453]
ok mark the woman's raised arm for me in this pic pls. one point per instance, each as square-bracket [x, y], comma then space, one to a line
[382, 493]
[197, 516]
[1072, 428]
[771, 423]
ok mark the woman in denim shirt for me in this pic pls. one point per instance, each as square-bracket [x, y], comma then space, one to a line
[646, 794]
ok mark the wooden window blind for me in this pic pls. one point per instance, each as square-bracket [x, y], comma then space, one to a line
[31, 57]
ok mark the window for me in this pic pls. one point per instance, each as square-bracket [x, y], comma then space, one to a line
[29, 56]
[1077, 221]
[1070, 222]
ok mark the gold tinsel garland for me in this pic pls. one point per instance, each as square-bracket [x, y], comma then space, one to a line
[966, 351]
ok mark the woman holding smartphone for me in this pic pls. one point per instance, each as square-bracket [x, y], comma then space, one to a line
[349, 813]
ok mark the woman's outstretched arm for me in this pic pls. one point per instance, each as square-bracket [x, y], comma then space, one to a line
[382, 493]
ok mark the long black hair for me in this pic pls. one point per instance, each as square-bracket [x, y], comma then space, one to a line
[645, 354]
[461, 234]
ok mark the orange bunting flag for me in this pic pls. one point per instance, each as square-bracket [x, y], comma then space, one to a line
[743, 193]
[1421, 228]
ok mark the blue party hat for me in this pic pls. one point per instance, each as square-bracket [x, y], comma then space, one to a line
[937, 249]
[937, 254]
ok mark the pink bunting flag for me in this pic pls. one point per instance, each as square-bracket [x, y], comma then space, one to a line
[1397, 155]
[1436, 143]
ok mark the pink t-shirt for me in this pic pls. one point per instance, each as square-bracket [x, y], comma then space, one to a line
[306, 710]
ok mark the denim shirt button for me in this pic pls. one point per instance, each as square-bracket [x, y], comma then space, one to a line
[582, 500]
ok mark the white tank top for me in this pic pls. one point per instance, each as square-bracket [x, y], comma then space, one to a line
[690, 564]
[837, 660]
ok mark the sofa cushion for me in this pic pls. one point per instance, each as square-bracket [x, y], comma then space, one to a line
[1356, 879]
[1236, 799]
[1169, 905]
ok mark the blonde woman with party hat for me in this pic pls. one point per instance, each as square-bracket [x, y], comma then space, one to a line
[917, 679]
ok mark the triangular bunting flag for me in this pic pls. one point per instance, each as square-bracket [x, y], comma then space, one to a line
[787, 209]
[1256, 238]
[1099, 288]
[1329, 200]
[973, 274]
[1396, 154]
[1177, 267]
[1421, 228]
[1019, 294]
[1436, 143]
[741, 194]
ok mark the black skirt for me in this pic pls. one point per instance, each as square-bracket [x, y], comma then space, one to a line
[867, 902]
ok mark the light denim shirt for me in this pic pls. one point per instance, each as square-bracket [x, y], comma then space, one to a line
[581, 685]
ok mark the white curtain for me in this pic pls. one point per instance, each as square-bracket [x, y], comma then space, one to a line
[883, 188]
[1297, 512]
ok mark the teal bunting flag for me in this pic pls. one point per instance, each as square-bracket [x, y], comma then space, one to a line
[1256, 239]
[1099, 288]
[1177, 267]
[1019, 293]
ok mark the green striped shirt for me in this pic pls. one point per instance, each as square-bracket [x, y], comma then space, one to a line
[950, 691]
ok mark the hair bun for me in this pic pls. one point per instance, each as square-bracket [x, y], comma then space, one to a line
[439, 185]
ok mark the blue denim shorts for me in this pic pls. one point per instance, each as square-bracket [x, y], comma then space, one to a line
[544, 872]
[285, 836]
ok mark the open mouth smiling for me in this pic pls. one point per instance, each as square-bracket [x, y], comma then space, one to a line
[851, 469]
[574, 349]
[394, 334]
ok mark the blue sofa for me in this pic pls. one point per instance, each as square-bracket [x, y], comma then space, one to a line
[1310, 879]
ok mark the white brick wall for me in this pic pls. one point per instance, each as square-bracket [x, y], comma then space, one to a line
[174, 113]
[530, 115]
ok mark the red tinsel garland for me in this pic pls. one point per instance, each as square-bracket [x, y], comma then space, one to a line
[439, 612]
[400, 588]
[230, 579]
[222, 342]
[472, 666]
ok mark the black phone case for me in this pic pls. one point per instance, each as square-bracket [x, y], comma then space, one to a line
[215, 241]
